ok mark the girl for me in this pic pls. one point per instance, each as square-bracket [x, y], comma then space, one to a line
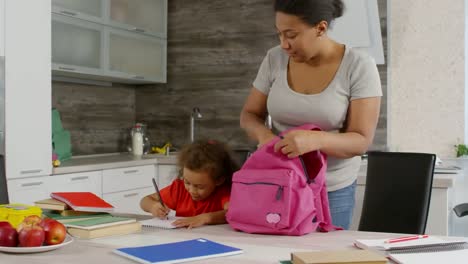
[201, 194]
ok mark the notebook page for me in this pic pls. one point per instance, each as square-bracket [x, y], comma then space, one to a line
[161, 223]
[452, 257]
[380, 244]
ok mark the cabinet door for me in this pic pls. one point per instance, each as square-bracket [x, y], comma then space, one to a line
[129, 178]
[144, 16]
[27, 191]
[135, 56]
[92, 10]
[128, 201]
[76, 45]
[77, 182]
[166, 174]
[28, 145]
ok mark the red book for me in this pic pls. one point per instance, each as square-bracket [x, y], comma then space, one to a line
[83, 201]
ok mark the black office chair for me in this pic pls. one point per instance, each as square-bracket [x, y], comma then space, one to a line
[3, 183]
[398, 192]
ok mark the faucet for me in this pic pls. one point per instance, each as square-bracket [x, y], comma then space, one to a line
[194, 115]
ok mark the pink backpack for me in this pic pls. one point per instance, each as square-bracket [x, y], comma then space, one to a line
[273, 194]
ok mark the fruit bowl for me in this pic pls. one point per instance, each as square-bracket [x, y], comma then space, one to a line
[67, 241]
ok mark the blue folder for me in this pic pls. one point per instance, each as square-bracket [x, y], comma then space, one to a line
[177, 252]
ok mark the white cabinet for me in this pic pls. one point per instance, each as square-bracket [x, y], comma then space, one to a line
[145, 16]
[124, 42]
[92, 10]
[136, 56]
[77, 45]
[27, 191]
[166, 174]
[27, 88]
[124, 187]
[2, 28]
[128, 201]
[76, 182]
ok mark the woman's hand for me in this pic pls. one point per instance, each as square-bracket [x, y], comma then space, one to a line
[159, 210]
[298, 142]
[191, 222]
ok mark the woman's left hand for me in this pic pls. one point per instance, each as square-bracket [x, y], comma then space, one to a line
[191, 222]
[298, 142]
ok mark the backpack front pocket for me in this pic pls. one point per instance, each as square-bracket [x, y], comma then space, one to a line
[261, 197]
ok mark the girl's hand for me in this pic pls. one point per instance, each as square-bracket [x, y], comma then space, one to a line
[191, 222]
[159, 211]
[298, 142]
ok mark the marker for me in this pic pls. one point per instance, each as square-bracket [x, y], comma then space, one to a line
[159, 194]
[406, 238]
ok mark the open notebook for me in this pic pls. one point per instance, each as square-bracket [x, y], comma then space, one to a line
[417, 245]
[161, 223]
[435, 257]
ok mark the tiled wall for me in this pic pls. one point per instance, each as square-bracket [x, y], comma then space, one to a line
[214, 50]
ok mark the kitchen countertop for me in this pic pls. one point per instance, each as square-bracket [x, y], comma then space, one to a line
[122, 160]
[111, 161]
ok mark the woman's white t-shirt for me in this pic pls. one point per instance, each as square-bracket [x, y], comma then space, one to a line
[357, 77]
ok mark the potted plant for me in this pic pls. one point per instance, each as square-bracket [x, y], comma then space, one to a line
[462, 150]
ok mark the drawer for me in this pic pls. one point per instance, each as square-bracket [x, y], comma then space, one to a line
[90, 181]
[27, 191]
[128, 201]
[122, 179]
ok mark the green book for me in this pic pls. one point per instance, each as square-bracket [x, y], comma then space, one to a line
[68, 218]
[100, 222]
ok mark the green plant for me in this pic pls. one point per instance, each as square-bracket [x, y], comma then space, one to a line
[462, 150]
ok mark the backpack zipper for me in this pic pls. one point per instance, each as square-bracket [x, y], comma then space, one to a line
[279, 192]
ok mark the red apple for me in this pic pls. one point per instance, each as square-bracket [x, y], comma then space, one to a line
[55, 232]
[29, 221]
[5, 223]
[31, 236]
[8, 236]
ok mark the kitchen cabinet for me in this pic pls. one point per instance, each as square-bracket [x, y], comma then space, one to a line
[28, 190]
[91, 10]
[28, 150]
[77, 45]
[128, 201]
[123, 41]
[124, 187]
[2, 28]
[166, 174]
[144, 16]
[135, 56]
[76, 182]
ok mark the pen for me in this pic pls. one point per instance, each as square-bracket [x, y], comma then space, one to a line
[406, 238]
[159, 194]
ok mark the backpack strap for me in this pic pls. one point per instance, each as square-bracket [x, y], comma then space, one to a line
[308, 179]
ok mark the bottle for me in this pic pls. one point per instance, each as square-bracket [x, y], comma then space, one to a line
[137, 141]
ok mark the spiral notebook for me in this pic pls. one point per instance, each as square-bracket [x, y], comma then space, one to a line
[428, 244]
[161, 223]
[435, 257]
[183, 251]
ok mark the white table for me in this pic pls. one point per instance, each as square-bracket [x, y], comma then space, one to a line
[257, 248]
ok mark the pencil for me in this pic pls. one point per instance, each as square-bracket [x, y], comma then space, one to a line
[159, 194]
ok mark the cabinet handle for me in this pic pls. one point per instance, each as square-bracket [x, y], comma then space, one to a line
[138, 30]
[130, 171]
[130, 195]
[31, 184]
[79, 178]
[30, 171]
[138, 77]
[67, 68]
[68, 13]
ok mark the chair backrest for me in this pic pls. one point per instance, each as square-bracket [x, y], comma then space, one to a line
[398, 192]
[3, 183]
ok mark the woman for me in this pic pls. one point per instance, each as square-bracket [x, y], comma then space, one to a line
[310, 78]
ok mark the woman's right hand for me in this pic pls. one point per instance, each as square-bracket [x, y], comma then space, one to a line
[160, 211]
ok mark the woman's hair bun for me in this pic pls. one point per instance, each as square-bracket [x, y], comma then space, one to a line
[339, 8]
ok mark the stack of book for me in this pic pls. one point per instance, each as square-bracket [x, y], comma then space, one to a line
[86, 215]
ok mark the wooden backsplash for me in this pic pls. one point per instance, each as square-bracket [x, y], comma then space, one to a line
[214, 50]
